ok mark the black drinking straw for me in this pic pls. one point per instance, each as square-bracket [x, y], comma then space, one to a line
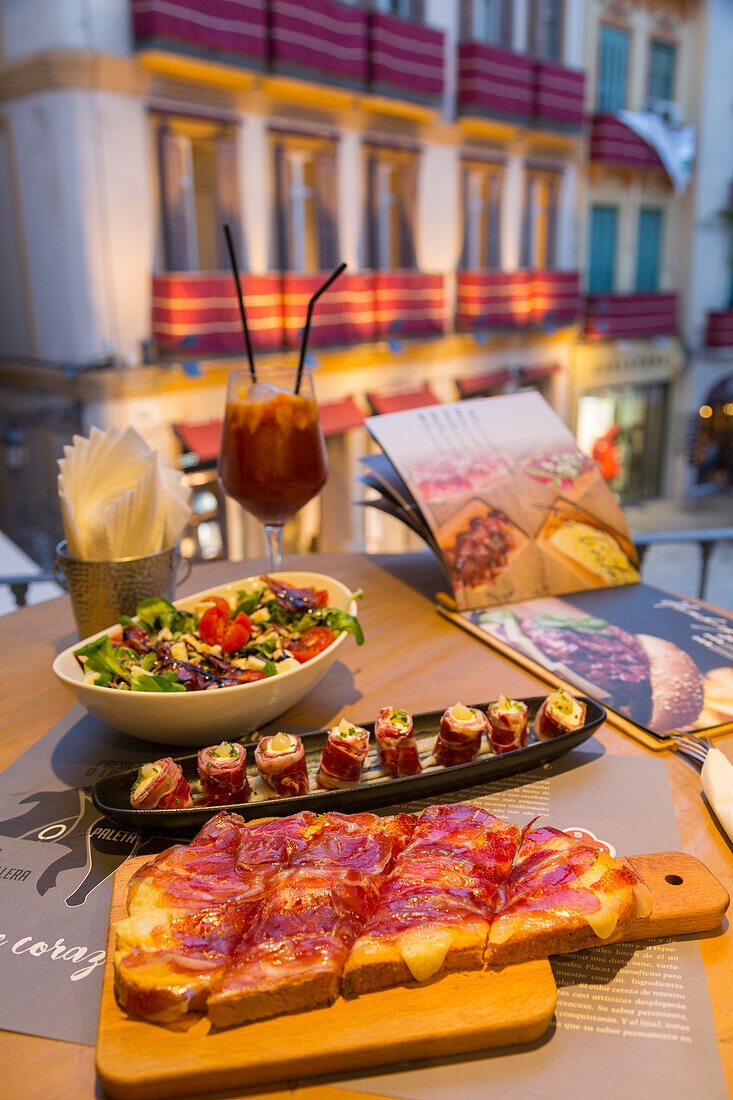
[243, 315]
[304, 345]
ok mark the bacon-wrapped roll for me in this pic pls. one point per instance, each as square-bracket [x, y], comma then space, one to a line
[559, 713]
[280, 760]
[343, 756]
[160, 786]
[223, 773]
[398, 753]
[507, 728]
[459, 740]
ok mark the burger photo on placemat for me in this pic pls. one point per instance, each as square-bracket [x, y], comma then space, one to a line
[648, 679]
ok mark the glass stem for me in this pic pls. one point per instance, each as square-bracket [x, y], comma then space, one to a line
[274, 533]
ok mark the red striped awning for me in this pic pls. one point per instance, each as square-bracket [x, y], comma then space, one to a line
[340, 416]
[537, 374]
[405, 57]
[324, 36]
[233, 29]
[203, 440]
[493, 81]
[480, 383]
[407, 397]
[615, 143]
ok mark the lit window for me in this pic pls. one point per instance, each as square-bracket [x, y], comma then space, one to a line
[306, 230]
[199, 192]
[481, 192]
[540, 220]
[391, 197]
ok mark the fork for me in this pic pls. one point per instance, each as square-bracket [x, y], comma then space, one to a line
[694, 747]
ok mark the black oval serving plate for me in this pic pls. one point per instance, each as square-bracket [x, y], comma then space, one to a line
[112, 795]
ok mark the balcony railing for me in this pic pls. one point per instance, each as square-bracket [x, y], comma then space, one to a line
[343, 316]
[719, 330]
[198, 313]
[324, 37]
[615, 144]
[324, 40]
[499, 84]
[519, 299]
[409, 303]
[615, 316]
[405, 57]
[494, 82]
[233, 31]
[559, 95]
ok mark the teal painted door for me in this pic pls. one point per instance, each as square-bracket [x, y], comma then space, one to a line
[612, 66]
[602, 256]
[649, 242]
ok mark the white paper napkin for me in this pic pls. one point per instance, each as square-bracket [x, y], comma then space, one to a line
[717, 782]
[118, 498]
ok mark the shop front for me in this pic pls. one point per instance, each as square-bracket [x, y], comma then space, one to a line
[622, 401]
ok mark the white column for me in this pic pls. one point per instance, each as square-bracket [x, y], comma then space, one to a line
[574, 33]
[520, 38]
[350, 173]
[512, 209]
[256, 183]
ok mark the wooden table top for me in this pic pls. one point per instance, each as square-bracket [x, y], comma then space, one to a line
[411, 654]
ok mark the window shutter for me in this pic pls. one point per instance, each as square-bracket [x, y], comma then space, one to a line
[507, 22]
[602, 258]
[282, 212]
[553, 201]
[464, 226]
[533, 28]
[372, 212]
[525, 251]
[465, 24]
[493, 251]
[227, 199]
[407, 197]
[175, 228]
[612, 62]
[327, 208]
[647, 260]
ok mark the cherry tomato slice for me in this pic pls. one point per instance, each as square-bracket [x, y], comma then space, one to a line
[311, 642]
[321, 597]
[212, 626]
[237, 634]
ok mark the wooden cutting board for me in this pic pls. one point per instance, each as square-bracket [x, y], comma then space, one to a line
[450, 1015]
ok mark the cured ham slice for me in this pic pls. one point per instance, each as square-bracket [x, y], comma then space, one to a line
[507, 729]
[436, 906]
[295, 952]
[187, 911]
[396, 744]
[562, 895]
[559, 713]
[160, 786]
[343, 756]
[223, 773]
[459, 739]
[280, 760]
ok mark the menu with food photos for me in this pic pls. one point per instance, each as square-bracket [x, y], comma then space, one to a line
[542, 565]
[499, 490]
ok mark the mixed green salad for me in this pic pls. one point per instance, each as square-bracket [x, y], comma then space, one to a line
[269, 628]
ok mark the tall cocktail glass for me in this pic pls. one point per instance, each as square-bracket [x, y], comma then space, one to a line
[273, 455]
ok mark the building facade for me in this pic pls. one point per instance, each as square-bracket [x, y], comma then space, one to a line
[462, 156]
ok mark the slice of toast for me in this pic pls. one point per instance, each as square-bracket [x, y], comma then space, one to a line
[231, 1004]
[378, 962]
[592, 908]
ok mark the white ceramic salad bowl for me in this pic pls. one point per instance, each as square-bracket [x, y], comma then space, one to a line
[199, 718]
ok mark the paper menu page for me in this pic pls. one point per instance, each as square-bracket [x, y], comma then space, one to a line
[516, 509]
[663, 661]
